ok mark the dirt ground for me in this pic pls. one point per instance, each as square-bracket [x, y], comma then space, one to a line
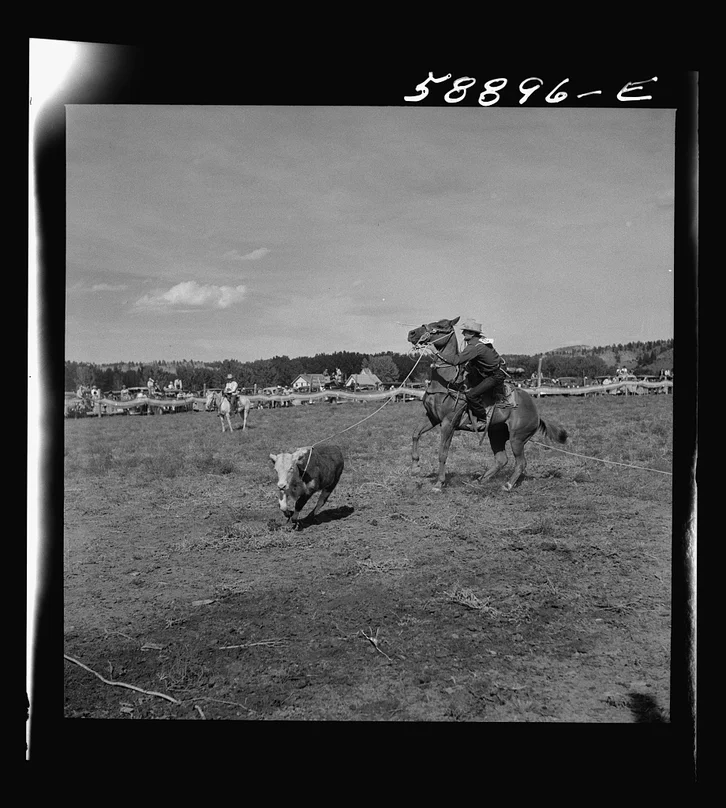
[547, 604]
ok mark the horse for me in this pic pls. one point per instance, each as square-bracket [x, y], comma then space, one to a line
[224, 408]
[445, 404]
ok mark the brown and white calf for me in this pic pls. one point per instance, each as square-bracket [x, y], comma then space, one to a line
[303, 472]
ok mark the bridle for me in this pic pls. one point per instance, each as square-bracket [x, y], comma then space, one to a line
[452, 387]
[431, 343]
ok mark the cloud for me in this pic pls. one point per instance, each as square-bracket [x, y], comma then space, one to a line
[192, 296]
[234, 255]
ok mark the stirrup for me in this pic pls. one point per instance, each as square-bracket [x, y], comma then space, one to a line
[475, 424]
[481, 423]
[467, 427]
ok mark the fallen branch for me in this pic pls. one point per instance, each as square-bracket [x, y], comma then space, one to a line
[373, 640]
[121, 684]
[272, 643]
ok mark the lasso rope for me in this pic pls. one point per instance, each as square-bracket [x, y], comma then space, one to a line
[600, 460]
[358, 423]
[385, 403]
[431, 350]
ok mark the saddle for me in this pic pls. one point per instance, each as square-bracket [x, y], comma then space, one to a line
[501, 398]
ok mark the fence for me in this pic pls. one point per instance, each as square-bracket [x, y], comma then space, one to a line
[110, 406]
[628, 387]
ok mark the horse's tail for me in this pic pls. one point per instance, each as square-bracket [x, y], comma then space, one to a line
[553, 431]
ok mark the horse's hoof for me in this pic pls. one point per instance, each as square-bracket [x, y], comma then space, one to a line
[507, 487]
[437, 488]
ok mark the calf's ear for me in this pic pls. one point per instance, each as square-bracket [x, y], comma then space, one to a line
[273, 457]
[454, 322]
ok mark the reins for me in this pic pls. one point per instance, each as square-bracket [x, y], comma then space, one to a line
[432, 343]
[444, 363]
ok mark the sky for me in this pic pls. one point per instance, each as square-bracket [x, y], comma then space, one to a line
[245, 232]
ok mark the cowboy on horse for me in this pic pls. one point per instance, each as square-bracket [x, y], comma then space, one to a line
[514, 421]
[485, 372]
[231, 391]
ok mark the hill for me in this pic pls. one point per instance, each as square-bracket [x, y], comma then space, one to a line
[572, 350]
[642, 357]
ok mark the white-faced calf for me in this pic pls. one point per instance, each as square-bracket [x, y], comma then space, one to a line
[303, 472]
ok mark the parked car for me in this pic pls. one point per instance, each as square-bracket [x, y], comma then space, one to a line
[74, 406]
[138, 392]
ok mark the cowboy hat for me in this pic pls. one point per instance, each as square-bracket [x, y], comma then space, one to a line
[471, 325]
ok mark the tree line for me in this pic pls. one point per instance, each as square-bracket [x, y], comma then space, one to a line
[389, 367]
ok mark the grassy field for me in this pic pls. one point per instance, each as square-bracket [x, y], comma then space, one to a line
[550, 603]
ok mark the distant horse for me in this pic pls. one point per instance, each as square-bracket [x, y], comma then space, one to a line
[225, 409]
[445, 404]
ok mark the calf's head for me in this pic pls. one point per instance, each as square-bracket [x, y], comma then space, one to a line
[289, 467]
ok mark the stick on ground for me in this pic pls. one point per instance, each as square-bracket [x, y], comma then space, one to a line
[373, 640]
[121, 684]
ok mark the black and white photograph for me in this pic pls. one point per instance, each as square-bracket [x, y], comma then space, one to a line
[368, 410]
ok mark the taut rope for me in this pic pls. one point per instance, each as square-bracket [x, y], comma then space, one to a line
[358, 423]
[601, 460]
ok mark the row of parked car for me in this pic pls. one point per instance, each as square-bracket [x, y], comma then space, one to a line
[173, 400]
[573, 382]
[77, 406]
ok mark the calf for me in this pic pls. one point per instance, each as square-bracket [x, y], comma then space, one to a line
[303, 472]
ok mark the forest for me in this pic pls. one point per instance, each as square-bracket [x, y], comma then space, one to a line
[390, 367]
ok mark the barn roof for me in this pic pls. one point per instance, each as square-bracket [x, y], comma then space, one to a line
[311, 377]
[363, 378]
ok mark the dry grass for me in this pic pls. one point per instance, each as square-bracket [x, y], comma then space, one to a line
[466, 597]
[383, 565]
[562, 584]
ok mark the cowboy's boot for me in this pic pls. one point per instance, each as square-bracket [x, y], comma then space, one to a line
[478, 414]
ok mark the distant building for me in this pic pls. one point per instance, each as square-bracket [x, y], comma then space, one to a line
[310, 382]
[365, 380]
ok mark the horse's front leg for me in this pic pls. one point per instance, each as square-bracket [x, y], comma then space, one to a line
[448, 427]
[426, 426]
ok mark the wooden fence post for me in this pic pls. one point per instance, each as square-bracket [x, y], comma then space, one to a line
[539, 377]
